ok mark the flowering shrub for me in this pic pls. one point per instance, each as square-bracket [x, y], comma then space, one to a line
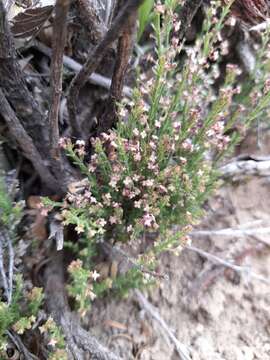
[20, 314]
[148, 178]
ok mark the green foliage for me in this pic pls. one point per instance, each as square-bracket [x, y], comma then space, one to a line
[56, 340]
[10, 213]
[21, 313]
[81, 285]
[145, 16]
[149, 177]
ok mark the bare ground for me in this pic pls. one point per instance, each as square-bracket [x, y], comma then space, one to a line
[219, 315]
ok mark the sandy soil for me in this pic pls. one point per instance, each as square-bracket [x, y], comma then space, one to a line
[219, 315]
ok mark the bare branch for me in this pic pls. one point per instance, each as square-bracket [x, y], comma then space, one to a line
[124, 51]
[59, 40]
[20, 345]
[94, 78]
[229, 232]
[91, 20]
[94, 59]
[187, 13]
[15, 89]
[5, 283]
[26, 143]
[240, 269]
[10, 267]
[246, 168]
[151, 310]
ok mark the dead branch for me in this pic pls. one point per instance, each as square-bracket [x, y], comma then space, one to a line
[215, 271]
[94, 78]
[261, 27]
[124, 51]
[80, 344]
[239, 269]
[58, 45]
[153, 312]
[125, 262]
[230, 232]
[26, 143]
[5, 281]
[10, 266]
[94, 59]
[20, 346]
[15, 89]
[237, 169]
[91, 20]
[187, 13]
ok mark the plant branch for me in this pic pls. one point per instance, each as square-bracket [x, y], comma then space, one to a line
[187, 13]
[124, 51]
[94, 59]
[228, 264]
[91, 20]
[94, 78]
[240, 168]
[151, 310]
[15, 89]
[26, 143]
[59, 40]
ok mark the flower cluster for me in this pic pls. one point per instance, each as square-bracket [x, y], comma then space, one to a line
[153, 171]
[81, 287]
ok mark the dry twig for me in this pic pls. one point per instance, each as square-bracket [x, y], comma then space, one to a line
[16, 91]
[59, 40]
[124, 50]
[94, 78]
[230, 232]
[94, 59]
[151, 310]
[187, 13]
[239, 269]
[91, 20]
[26, 143]
[250, 167]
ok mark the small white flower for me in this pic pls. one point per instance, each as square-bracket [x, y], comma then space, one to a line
[95, 275]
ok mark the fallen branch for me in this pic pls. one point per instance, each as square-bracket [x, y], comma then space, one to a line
[94, 78]
[230, 232]
[246, 168]
[5, 281]
[151, 310]
[239, 269]
[94, 59]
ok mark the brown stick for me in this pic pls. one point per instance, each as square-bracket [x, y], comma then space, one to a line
[91, 20]
[59, 40]
[15, 89]
[26, 143]
[94, 59]
[187, 13]
[124, 50]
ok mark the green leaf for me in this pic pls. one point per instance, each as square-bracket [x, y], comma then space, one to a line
[145, 16]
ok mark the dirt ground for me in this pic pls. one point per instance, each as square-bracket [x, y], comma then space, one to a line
[219, 315]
